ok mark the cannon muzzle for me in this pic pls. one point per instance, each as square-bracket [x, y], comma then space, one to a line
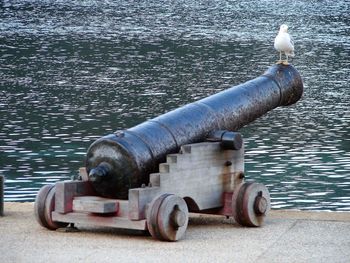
[123, 160]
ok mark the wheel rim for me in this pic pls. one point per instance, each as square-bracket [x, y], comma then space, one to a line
[168, 217]
[44, 205]
[39, 205]
[152, 216]
[250, 204]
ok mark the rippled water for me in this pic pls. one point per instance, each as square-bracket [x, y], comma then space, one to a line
[72, 71]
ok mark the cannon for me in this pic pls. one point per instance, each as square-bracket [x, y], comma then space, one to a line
[149, 177]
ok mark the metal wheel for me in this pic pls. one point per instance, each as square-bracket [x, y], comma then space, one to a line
[44, 205]
[167, 217]
[250, 204]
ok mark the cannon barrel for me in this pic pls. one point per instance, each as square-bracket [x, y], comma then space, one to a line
[123, 160]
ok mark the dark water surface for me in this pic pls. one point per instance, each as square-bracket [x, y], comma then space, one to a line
[72, 71]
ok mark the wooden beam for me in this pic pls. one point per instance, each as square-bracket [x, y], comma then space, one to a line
[138, 200]
[66, 191]
[108, 221]
[95, 204]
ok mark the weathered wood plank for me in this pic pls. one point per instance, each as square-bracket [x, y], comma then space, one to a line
[108, 221]
[154, 179]
[202, 172]
[95, 204]
[138, 200]
[83, 174]
[66, 191]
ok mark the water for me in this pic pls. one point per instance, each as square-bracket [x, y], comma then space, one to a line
[72, 71]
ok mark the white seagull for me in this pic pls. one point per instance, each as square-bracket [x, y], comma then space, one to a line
[284, 43]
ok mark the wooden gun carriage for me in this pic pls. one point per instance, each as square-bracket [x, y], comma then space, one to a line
[151, 176]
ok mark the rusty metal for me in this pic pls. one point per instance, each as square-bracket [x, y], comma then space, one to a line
[2, 180]
[134, 153]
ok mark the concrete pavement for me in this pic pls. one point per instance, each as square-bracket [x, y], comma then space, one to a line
[288, 236]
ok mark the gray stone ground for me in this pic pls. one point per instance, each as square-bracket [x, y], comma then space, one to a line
[287, 237]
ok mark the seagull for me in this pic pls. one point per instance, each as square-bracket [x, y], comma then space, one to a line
[284, 43]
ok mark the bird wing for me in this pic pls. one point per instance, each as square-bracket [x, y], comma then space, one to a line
[291, 41]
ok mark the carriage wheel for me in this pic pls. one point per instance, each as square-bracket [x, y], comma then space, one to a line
[44, 205]
[167, 217]
[250, 204]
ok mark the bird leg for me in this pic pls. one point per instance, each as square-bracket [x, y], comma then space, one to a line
[280, 61]
[286, 61]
